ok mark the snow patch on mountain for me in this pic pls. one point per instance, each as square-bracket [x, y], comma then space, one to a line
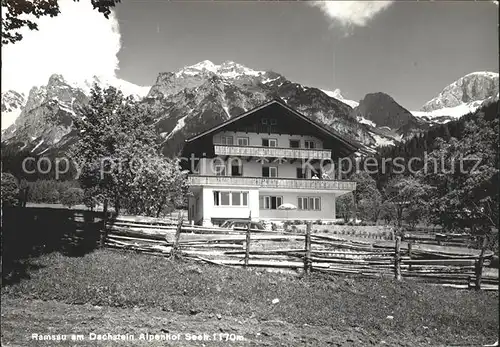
[38, 145]
[127, 88]
[269, 80]
[366, 121]
[181, 123]
[337, 94]
[446, 114]
[381, 141]
[227, 69]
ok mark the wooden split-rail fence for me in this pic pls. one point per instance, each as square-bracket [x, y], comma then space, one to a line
[307, 252]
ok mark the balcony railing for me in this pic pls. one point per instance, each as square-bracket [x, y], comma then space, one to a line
[266, 182]
[272, 152]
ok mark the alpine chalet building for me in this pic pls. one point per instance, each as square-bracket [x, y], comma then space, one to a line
[256, 162]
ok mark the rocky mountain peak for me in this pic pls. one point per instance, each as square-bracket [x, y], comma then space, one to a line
[12, 105]
[473, 87]
[12, 100]
[228, 69]
[56, 80]
[382, 110]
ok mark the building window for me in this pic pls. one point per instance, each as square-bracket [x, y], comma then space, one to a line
[271, 202]
[309, 144]
[228, 198]
[269, 142]
[224, 198]
[273, 121]
[264, 121]
[220, 170]
[309, 203]
[226, 140]
[237, 170]
[294, 143]
[243, 141]
[270, 171]
[236, 199]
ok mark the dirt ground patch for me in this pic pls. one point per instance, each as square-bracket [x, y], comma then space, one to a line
[21, 318]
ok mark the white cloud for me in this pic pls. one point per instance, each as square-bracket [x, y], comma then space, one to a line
[352, 13]
[79, 43]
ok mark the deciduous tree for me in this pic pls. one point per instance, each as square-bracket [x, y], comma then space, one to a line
[465, 177]
[118, 152]
[10, 190]
[19, 14]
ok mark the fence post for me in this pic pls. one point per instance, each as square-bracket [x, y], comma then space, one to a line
[175, 247]
[480, 263]
[397, 259]
[247, 244]
[410, 246]
[307, 257]
[104, 231]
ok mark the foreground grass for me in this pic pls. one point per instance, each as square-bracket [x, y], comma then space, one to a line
[127, 280]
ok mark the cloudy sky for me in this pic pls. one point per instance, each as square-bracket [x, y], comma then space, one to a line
[410, 50]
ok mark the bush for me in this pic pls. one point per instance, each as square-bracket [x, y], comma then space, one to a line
[72, 197]
[53, 196]
[42, 191]
[10, 190]
[91, 198]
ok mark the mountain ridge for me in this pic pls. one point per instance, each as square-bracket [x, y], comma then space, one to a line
[196, 97]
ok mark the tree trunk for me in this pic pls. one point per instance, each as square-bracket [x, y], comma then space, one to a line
[399, 211]
[355, 209]
[160, 207]
[117, 206]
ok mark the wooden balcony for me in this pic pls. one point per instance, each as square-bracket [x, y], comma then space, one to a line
[272, 152]
[266, 182]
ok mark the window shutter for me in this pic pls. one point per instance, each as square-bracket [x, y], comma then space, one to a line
[261, 202]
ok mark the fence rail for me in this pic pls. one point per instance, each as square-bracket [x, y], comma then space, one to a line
[273, 152]
[265, 182]
[298, 251]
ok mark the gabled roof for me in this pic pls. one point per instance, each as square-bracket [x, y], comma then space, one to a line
[320, 128]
